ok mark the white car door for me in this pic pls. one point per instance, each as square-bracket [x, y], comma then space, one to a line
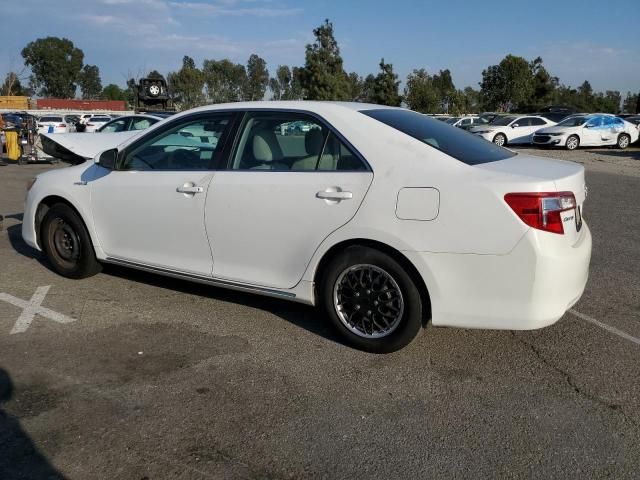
[284, 192]
[537, 124]
[520, 131]
[592, 132]
[150, 210]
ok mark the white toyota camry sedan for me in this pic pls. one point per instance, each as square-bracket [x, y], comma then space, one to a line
[383, 217]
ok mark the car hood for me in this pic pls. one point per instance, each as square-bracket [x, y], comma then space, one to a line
[556, 129]
[75, 148]
[487, 128]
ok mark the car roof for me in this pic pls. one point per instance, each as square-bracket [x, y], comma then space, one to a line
[310, 105]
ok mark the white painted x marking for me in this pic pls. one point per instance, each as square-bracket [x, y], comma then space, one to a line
[32, 308]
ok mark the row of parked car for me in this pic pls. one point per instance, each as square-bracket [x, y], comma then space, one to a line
[553, 130]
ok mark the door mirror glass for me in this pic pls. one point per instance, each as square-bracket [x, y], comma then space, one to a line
[108, 158]
[514, 125]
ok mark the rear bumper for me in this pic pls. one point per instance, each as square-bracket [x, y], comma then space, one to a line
[529, 288]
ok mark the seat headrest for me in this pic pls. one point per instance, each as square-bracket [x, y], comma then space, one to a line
[313, 141]
[266, 147]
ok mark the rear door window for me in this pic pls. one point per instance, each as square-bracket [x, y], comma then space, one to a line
[291, 141]
[455, 142]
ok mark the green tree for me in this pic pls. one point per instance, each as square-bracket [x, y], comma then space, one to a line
[89, 82]
[323, 76]
[186, 85]
[12, 86]
[55, 64]
[257, 78]
[385, 87]
[113, 92]
[470, 100]
[224, 80]
[420, 93]
[356, 88]
[543, 84]
[630, 103]
[155, 75]
[508, 85]
[447, 93]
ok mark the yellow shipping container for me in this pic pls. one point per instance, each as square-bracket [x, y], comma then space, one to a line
[14, 102]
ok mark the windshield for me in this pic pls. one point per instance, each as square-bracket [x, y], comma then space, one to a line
[452, 120]
[503, 121]
[572, 122]
[455, 142]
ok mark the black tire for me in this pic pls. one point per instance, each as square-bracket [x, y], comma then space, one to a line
[67, 244]
[572, 143]
[332, 285]
[500, 139]
[624, 141]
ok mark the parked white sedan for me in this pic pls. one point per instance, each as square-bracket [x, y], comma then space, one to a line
[383, 217]
[95, 122]
[593, 130]
[52, 124]
[509, 130]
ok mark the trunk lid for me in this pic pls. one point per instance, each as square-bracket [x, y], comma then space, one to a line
[566, 176]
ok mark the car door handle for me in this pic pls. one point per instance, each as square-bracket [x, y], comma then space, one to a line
[186, 188]
[333, 195]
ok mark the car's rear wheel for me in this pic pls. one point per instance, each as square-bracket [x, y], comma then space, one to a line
[67, 244]
[623, 141]
[500, 139]
[371, 300]
[572, 142]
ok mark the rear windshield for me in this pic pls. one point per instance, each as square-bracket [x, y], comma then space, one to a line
[50, 119]
[453, 141]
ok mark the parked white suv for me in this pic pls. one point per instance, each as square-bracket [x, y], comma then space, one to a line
[512, 129]
[588, 130]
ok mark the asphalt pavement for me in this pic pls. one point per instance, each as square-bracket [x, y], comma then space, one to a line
[129, 375]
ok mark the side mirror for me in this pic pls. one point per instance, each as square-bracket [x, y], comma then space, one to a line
[514, 125]
[588, 126]
[108, 159]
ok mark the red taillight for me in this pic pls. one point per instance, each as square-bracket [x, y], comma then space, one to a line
[90, 125]
[542, 210]
[63, 125]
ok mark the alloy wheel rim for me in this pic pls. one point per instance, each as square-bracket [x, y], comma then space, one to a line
[368, 301]
[623, 142]
[572, 143]
[499, 140]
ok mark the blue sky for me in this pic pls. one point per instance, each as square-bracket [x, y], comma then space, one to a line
[578, 40]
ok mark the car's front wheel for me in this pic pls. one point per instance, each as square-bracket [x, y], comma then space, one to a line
[500, 139]
[67, 244]
[573, 142]
[371, 300]
[623, 141]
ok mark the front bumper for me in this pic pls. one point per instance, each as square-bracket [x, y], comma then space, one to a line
[553, 141]
[529, 288]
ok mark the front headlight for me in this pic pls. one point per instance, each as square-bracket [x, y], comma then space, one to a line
[554, 134]
[482, 132]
